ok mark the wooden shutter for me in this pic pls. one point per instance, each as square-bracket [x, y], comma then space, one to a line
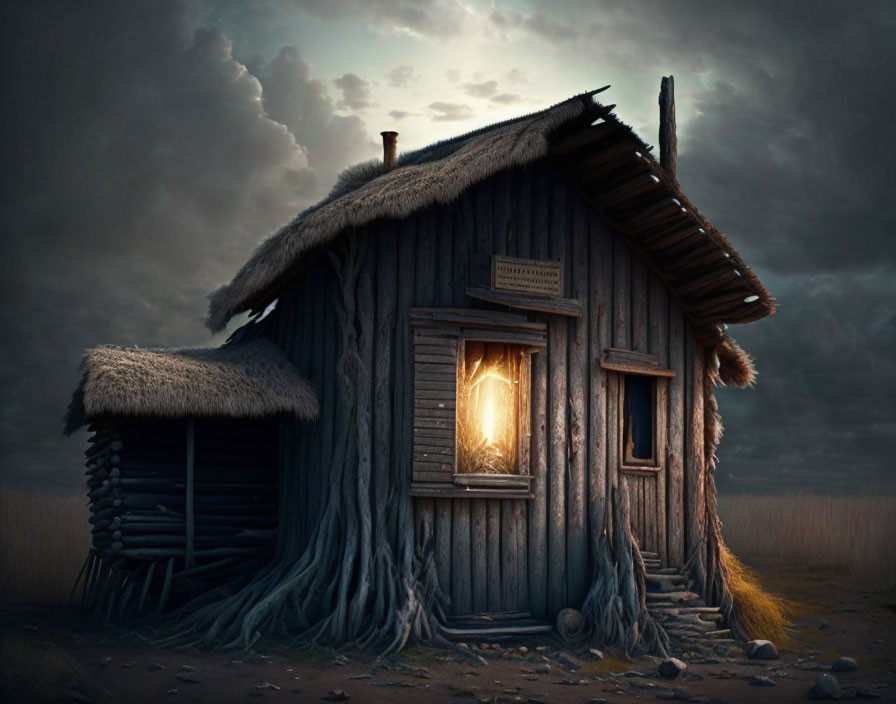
[437, 336]
[435, 404]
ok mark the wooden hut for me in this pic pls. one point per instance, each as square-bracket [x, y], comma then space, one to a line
[181, 469]
[513, 335]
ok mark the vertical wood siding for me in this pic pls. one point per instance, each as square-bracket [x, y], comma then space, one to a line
[495, 554]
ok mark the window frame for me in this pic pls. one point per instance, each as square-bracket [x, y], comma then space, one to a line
[522, 479]
[627, 463]
[435, 475]
[621, 363]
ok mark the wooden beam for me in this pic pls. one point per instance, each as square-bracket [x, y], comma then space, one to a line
[668, 138]
[545, 304]
[191, 453]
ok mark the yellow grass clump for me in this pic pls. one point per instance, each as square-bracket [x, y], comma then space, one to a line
[44, 539]
[759, 613]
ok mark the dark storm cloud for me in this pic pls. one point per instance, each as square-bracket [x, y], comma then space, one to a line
[506, 98]
[402, 76]
[294, 98]
[448, 112]
[790, 155]
[140, 169]
[431, 19]
[144, 158]
[536, 23]
[483, 89]
[355, 92]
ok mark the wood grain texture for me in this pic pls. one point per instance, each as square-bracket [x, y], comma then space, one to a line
[558, 403]
[577, 573]
[658, 345]
[461, 558]
[493, 546]
[443, 533]
[694, 442]
[478, 541]
[538, 511]
[675, 441]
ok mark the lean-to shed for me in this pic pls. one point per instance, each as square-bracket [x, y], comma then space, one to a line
[181, 469]
[513, 335]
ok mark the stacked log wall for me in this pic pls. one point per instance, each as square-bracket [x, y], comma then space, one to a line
[137, 489]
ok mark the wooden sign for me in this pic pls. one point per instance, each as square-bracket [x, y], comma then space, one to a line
[543, 277]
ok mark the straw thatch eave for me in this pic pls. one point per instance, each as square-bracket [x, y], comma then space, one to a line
[246, 380]
[635, 195]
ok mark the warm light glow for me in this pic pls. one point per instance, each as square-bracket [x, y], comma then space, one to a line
[493, 390]
[488, 421]
[488, 397]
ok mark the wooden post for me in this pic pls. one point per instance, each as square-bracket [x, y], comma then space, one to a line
[190, 520]
[668, 139]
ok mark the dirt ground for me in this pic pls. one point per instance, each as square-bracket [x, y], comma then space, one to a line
[50, 655]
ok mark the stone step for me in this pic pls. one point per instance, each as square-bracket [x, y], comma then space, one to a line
[665, 582]
[696, 620]
[688, 609]
[699, 627]
[674, 598]
[650, 555]
[720, 633]
[662, 570]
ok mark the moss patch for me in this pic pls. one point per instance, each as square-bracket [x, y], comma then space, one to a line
[610, 663]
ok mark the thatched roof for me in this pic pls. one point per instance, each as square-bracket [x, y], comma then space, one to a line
[605, 160]
[246, 380]
[735, 364]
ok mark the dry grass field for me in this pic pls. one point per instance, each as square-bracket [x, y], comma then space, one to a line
[854, 535]
[44, 538]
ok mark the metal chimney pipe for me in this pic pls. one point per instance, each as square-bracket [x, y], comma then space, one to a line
[390, 150]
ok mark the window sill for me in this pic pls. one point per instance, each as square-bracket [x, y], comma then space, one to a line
[647, 470]
[454, 491]
[494, 481]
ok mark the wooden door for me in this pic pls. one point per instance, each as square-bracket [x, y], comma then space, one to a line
[645, 508]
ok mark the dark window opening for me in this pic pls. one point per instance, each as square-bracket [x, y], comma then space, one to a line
[638, 420]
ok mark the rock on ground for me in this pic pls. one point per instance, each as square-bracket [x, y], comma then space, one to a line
[762, 650]
[671, 668]
[844, 664]
[761, 681]
[569, 621]
[826, 687]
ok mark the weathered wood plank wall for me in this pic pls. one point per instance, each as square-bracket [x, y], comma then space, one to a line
[494, 554]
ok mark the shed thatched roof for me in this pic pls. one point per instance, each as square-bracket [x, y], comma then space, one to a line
[603, 158]
[246, 380]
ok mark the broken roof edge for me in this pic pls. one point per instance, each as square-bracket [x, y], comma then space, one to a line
[358, 187]
[436, 174]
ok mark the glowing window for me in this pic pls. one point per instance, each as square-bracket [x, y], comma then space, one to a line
[492, 407]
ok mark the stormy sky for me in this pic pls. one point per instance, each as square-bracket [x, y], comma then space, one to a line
[147, 148]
